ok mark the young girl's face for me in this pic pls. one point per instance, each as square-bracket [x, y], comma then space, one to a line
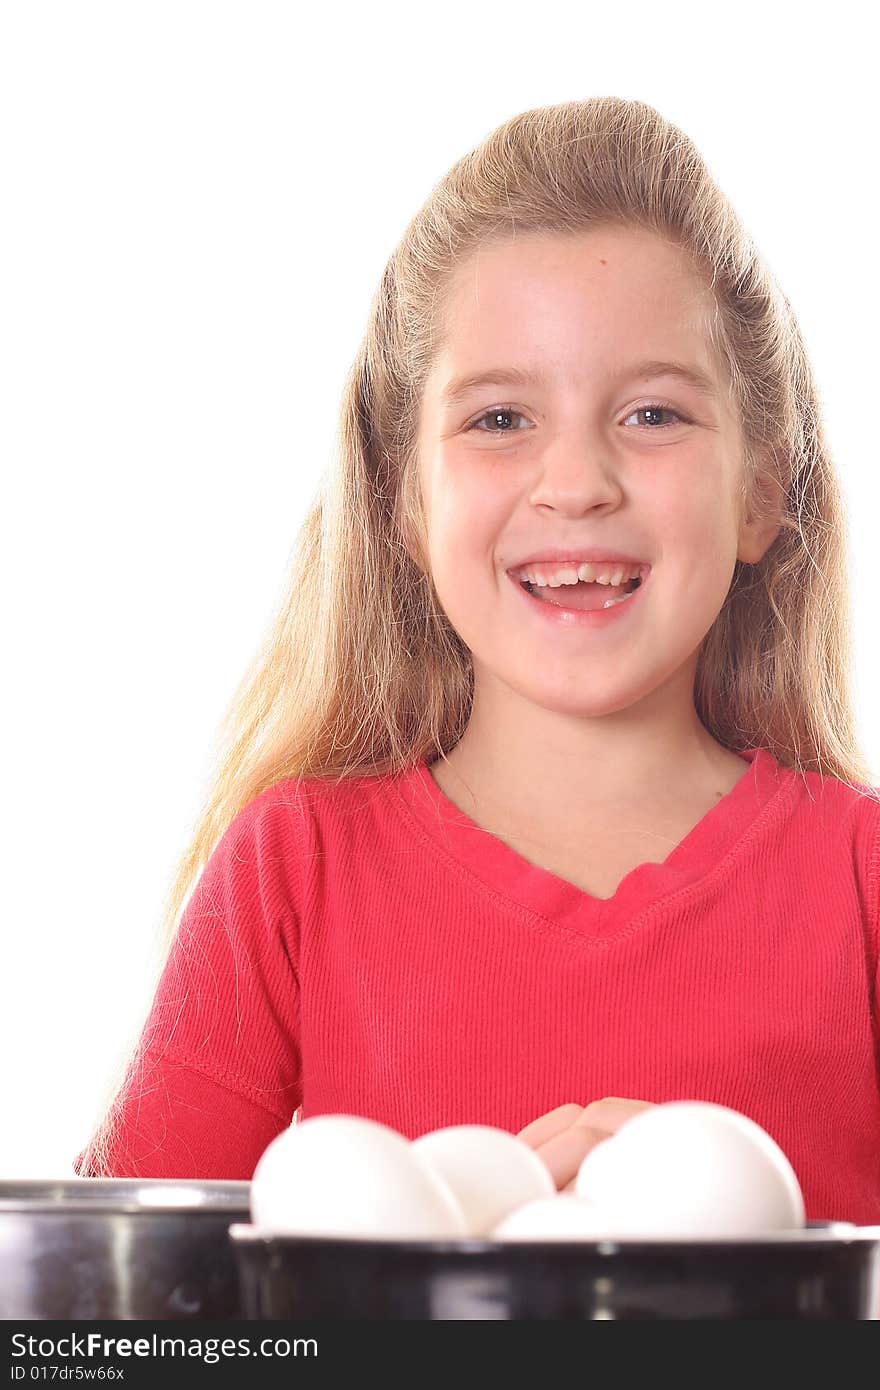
[575, 463]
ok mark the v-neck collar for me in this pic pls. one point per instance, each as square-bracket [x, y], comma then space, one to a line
[501, 870]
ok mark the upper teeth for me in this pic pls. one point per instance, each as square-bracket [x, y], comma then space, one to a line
[570, 574]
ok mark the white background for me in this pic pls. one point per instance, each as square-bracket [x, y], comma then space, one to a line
[198, 200]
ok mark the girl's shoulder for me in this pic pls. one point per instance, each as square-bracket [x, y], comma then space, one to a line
[833, 807]
[270, 848]
[841, 820]
[832, 795]
[298, 802]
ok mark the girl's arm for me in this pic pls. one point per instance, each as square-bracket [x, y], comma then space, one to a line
[172, 1121]
[216, 1074]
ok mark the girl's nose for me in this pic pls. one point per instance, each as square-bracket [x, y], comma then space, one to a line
[575, 478]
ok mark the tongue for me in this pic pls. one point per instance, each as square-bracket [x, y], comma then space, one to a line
[583, 595]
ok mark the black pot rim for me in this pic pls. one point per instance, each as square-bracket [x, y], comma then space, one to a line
[830, 1234]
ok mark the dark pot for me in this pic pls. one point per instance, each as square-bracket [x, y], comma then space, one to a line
[147, 1248]
[829, 1270]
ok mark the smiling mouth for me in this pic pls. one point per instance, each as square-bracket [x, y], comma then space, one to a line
[584, 596]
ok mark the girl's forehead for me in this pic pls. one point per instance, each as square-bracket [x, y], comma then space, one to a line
[564, 297]
[602, 254]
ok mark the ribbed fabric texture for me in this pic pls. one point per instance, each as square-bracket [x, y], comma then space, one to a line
[365, 948]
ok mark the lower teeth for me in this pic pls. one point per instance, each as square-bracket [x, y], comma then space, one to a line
[609, 603]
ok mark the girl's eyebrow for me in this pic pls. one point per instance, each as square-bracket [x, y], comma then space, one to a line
[459, 387]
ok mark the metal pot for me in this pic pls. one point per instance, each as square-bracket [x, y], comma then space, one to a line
[828, 1270]
[115, 1248]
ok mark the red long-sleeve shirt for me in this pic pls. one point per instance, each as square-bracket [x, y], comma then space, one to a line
[367, 949]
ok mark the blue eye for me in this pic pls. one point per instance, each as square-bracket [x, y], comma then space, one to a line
[653, 408]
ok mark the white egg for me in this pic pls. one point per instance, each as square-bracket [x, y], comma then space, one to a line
[562, 1217]
[341, 1175]
[489, 1170]
[692, 1168]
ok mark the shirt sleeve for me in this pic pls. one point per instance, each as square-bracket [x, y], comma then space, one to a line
[216, 1074]
[874, 925]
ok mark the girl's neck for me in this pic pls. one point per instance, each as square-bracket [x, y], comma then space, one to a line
[571, 800]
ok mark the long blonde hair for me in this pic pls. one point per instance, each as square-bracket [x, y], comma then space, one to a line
[361, 672]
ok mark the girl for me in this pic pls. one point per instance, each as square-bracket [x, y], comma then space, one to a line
[545, 785]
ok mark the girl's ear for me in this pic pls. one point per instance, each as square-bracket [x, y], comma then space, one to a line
[762, 522]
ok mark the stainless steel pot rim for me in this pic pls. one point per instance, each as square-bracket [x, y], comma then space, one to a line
[72, 1195]
[831, 1234]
